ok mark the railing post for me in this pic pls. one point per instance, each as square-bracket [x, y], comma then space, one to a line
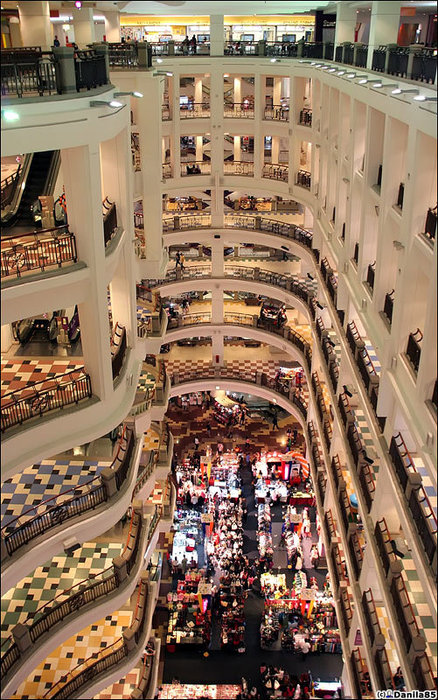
[21, 635]
[64, 69]
[4, 551]
[388, 48]
[414, 483]
[412, 51]
[129, 639]
[258, 223]
[418, 647]
[109, 482]
[171, 48]
[256, 273]
[143, 58]
[103, 50]
[261, 47]
[119, 564]
[379, 642]
[395, 569]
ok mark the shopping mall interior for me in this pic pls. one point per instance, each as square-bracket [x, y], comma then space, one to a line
[218, 350]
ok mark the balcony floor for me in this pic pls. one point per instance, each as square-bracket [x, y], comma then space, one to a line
[18, 373]
[42, 481]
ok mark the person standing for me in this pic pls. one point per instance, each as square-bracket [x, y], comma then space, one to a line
[184, 564]
[305, 648]
[193, 44]
[196, 441]
[177, 259]
[56, 42]
[274, 422]
[182, 261]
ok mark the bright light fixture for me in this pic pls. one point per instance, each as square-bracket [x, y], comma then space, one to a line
[423, 98]
[363, 81]
[133, 94]
[159, 60]
[102, 103]
[351, 75]
[115, 103]
[10, 116]
[332, 70]
[341, 72]
[379, 84]
[399, 91]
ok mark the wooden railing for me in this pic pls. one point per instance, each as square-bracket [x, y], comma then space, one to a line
[39, 398]
[49, 513]
[39, 250]
[118, 349]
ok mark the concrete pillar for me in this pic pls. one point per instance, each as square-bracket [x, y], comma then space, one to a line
[108, 477]
[277, 91]
[65, 69]
[346, 19]
[21, 635]
[83, 24]
[149, 122]
[199, 148]
[237, 90]
[217, 306]
[81, 168]
[217, 346]
[198, 92]
[216, 35]
[384, 25]
[6, 337]
[112, 26]
[275, 152]
[217, 257]
[259, 112]
[217, 207]
[15, 32]
[237, 148]
[35, 24]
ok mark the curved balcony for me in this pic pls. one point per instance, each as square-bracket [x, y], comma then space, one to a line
[256, 383]
[93, 675]
[254, 280]
[77, 607]
[249, 325]
[72, 422]
[39, 532]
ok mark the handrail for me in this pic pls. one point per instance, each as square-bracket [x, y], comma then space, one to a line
[101, 584]
[91, 667]
[37, 251]
[38, 398]
[54, 511]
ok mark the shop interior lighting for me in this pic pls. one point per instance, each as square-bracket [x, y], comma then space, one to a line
[351, 75]
[363, 81]
[159, 60]
[324, 67]
[341, 72]
[101, 103]
[133, 94]
[162, 72]
[9, 115]
[275, 60]
[332, 70]
[78, 5]
[423, 98]
[399, 91]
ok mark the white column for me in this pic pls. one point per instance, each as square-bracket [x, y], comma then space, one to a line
[237, 148]
[237, 90]
[112, 26]
[216, 35]
[149, 129]
[81, 168]
[199, 148]
[277, 91]
[6, 337]
[15, 33]
[345, 23]
[217, 347]
[217, 306]
[217, 257]
[217, 144]
[275, 152]
[198, 91]
[83, 24]
[384, 25]
[259, 111]
[35, 24]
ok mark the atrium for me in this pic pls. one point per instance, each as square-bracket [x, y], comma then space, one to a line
[218, 349]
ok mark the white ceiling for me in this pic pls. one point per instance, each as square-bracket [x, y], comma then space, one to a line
[237, 7]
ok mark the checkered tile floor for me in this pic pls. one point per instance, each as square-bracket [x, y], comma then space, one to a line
[156, 497]
[146, 380]
[41, 482]
[421, 608]
[53, 577]
[122, 689]
[18, 374]
[74, 651]
[387, 633]
[143, 315]
[427, 483]
[373, 357]
[367, 441]
[151, 440]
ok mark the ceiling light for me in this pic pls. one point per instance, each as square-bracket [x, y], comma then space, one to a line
[399, 91]
[363, 81]
[332, 70]
[341, 72]
[10, 116]
[351, 75]
[318, 65]
[303, 61]
[423, 98]
[78, 4]
[102, 103]
[382, 85]
[218, 387]
[324, 67]
[275, 60]
[159, 60]
[133, 94]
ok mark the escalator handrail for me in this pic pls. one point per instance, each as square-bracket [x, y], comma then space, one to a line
[52, 174]
[19, 189]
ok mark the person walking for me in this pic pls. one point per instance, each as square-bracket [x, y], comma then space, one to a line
[182, 261]
[56, 41]
[274, 422]
[305, 648]
[193, 43]
[177, 259]
[184, 563]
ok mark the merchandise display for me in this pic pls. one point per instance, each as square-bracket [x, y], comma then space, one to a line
[177, 691]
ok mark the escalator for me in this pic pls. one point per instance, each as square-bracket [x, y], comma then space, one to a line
[38, 178]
